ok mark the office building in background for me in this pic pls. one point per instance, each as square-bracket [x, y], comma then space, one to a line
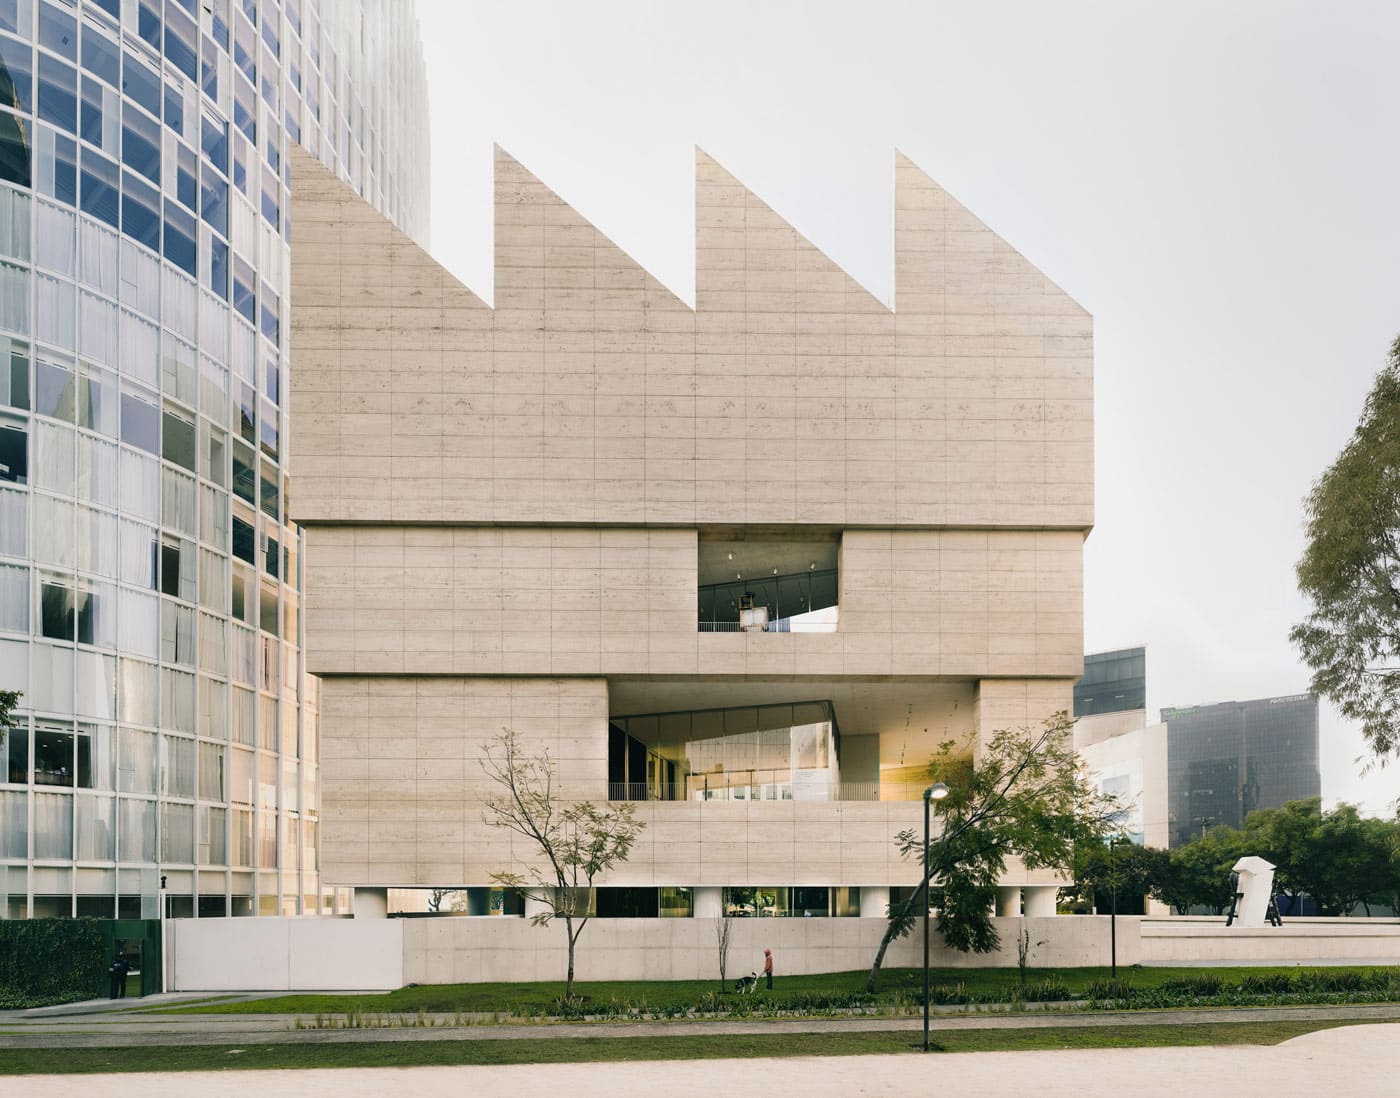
[1225, 761]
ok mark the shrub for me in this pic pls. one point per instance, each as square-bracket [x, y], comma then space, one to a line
[46, 961]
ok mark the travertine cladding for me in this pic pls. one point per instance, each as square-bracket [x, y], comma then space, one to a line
[492, 600]
[591, 394]
[401, 781]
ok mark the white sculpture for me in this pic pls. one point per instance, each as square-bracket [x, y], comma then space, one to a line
[1254, 890]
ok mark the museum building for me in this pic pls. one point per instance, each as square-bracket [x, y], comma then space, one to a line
[744, 565]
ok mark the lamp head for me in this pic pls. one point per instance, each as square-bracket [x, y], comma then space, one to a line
[936, 792]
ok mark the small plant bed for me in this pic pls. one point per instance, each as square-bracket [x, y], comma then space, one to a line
[366, 1054]
[833, 994]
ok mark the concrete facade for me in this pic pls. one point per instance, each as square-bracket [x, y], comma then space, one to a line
[508, 512]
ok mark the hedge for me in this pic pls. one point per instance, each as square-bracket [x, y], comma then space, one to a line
[45, 961]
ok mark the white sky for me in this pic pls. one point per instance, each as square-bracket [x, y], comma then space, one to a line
[1216, 183]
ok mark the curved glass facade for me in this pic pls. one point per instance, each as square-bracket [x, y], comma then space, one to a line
[149, 578]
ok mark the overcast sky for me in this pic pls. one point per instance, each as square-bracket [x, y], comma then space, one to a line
[1216, 183]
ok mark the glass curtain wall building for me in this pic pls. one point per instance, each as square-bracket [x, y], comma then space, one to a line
[1225, 761]
[149, 578]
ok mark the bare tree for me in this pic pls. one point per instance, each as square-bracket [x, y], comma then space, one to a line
[723, 925]
[436, 897]
[576, 841]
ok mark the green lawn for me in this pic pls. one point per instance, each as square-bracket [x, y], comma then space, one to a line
[902, 986]
[361, 1054]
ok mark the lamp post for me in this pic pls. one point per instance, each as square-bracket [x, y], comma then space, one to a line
[936, 792]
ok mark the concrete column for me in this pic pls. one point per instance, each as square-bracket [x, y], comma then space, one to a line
[1009, 900]
[707, 903]
[371, 903]
[875, 902]
[534, 907]
[1039, 900]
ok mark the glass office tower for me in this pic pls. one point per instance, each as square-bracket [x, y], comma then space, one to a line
[149, 577]
[1226, 760]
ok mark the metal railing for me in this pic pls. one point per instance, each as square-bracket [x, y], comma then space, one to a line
[782, 625]
[697, 789]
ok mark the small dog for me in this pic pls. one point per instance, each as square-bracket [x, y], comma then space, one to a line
[746, 983]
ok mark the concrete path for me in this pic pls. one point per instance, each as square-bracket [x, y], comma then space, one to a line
[126, 1029]
[1351, 1060]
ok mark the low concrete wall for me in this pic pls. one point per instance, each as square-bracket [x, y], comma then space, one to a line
[264, 954]
[1208, 941]
[490, 949]
[315, 954]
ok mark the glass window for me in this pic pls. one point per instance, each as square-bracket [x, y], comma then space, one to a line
[186, 176]
[97, 471]
[141, 143]
[14, 298]
[14, 224]
[177, 833]
[181, 42]
[58, 31]
[97, 335]
[180, 238]
[139, 686]
[53, 755]
[54, 391]
[137, 828]
[140, 356]
[213, 783]
[57, 607]
[243, 541]
[138, 554]
[97, 756]
[58, 93]
[14, 513]
[136, 761]
[96, 834]
[14, 599]
[14, 372]
[213, 847]
[53, 825]
[141, 84]
[55, 319]
[101, 56]
[140, 624]
[100, 195]
[178, 440]
[140, 421]
[17, 63]
[97, 398]
[14, 824]
[214, 141]
[139, 485]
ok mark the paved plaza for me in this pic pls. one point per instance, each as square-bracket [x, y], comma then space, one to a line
[1358, 1059]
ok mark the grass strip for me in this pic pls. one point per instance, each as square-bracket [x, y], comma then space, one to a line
[836, 989]
[369, 1054]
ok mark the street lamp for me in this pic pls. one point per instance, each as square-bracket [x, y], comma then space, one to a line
[936, 792]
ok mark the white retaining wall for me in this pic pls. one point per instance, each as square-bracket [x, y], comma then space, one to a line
[317, 954]
[266, 954]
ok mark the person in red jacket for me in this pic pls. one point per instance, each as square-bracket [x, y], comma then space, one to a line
[768, 967]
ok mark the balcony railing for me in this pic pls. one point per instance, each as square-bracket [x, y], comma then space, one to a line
[778, 790]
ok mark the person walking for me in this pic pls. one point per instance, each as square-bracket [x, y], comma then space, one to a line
[768, 967]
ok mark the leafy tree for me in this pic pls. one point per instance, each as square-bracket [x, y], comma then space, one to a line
[1337, 858]
[1125, 867]
[1197, 873]
[576, 841]
[1350, 571]
[1027, 797]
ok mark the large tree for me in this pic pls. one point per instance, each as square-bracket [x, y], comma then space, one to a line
[1337, 858]
[573, 841]
[1027, 797]
[1350, 571]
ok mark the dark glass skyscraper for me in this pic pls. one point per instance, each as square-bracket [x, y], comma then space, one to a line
[1113, 682]
[149, 576]
[1226, 760]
